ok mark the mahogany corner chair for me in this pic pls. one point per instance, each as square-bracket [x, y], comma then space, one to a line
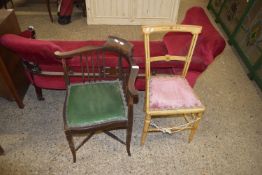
[103, 101]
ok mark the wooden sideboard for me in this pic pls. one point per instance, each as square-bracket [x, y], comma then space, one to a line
[132, 12]
[13, 81]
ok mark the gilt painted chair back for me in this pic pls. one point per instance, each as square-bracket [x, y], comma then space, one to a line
[149, 30]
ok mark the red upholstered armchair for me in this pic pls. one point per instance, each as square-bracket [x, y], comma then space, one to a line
[45, 71]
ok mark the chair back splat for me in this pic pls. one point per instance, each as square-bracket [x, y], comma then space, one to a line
[99, 98]
[170, 95]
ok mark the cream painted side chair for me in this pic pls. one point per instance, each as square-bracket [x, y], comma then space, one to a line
[170, 95]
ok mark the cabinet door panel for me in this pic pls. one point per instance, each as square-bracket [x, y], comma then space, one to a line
[154, 8]
[108, 11]
[110, 8]
[132, 12]
[156, 11]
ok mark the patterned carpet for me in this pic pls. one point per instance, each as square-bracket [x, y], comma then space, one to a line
[228, 140]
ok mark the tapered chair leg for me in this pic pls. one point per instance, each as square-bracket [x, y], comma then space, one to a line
[130, 125]
[84, 8]
[71, 145]
[195, 126]
[128, 140]
[128, 137]
[2, 152]
[49, 10]
[145, 129]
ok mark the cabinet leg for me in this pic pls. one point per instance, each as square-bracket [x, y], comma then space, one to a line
[18, 99]
[20, 103]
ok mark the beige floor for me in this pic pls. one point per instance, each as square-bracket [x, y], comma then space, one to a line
[228, 140]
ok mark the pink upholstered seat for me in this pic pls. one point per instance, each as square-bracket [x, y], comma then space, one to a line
[174, 93]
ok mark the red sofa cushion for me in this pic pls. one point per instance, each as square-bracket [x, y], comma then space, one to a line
[42, 51]
[209, 44]
[157, 48]
[38, 51]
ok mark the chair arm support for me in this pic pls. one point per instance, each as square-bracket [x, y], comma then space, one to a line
[131, 81]
[125, 48]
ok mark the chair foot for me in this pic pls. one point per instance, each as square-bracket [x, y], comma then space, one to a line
[142, 142]
[192, 133]
[40, 98]
[128, 141]
[128, 151]
[195, 126]
[128, 145]
[145, 129]
[71, 145]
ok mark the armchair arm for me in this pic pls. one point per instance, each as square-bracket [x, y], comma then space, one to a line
[125, 48]
[81, 50]
[132, 78]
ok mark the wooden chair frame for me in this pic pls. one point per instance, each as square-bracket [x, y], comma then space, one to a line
[2, 152]
[124, 49]
[49, 10]
[195, 113]
[5, 3]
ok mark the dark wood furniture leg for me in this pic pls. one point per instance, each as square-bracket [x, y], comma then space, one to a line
[71, 145]
[130, 126]
[49, 10]
[39, 93]
[2, 152]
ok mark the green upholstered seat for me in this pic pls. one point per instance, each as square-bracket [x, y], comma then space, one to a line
[95, 103]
